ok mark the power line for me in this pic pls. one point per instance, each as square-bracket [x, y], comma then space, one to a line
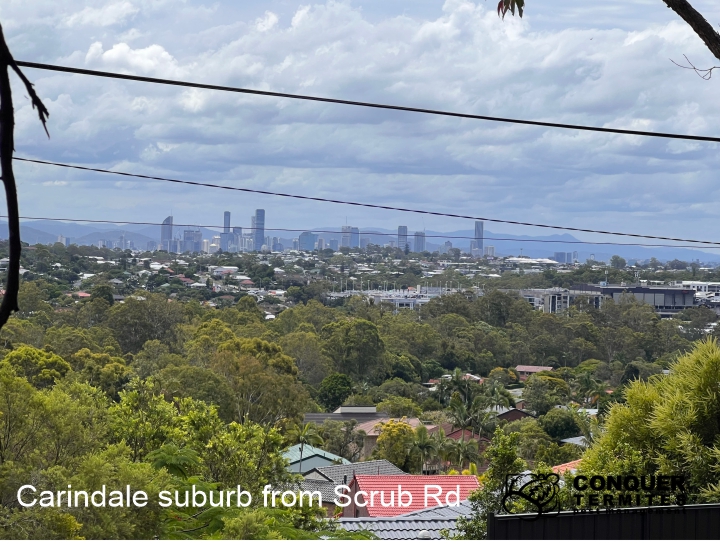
[374, 233]
[104, 74]
[364, 205]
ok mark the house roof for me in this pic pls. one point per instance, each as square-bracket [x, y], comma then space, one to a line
[531, 368]
[417, 486]
[325, 488]
[399, 528]
[571, 466]
[293, 454]
[457, 435]
[580, 441]
[337, 473]
[319, 418]
[444, 511]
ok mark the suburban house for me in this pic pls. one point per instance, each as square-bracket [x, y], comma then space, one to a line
[325, 479]
[312, 457]
[524, 371]
[389, 496]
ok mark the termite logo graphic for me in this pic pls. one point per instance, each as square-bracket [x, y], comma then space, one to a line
[538, 490]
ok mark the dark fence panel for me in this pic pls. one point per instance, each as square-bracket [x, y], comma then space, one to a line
[693, 522]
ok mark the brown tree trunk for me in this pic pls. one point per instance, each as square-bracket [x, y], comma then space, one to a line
[698, 23]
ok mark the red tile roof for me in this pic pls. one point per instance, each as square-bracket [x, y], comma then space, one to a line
[421, 489]
[562, 468]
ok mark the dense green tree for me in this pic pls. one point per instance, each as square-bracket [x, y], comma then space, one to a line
[334, 390]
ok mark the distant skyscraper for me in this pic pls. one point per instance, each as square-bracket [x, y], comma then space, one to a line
[354, 237]
[402, 237]
[321, 244]
[334, 245]
[226, 225]
[364, 242]
[307, 240]
[259, 229]
[478, 244]
[575, 257]
[563, 257]
[166, 233]
[419, 241]
[345, 239]
[151, 246]
[490, 251]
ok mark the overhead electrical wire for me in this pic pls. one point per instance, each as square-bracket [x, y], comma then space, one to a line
[152, 80]
[364, 205]
[374, 233]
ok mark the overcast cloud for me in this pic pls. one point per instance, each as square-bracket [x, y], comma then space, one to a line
[605, 63]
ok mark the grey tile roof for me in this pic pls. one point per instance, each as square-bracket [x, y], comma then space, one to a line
[447, 512]
[371, 467]
[325, 488]
[319, 418]
[399, 528]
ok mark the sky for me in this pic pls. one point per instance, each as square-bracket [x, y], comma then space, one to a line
[602, 63]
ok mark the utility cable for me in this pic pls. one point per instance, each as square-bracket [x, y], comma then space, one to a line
[364, 205]
[105, 74]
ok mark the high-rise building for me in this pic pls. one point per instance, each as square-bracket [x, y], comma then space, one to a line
[477, 245]
[206, 246]
[192, 240]
[307, 240]
[364, 242]
[563, 257]
[334, 245]
[166, 233]
[354, 237]
[226, 225]
[575, 257]
[65, 241]
[151, 246]
[419, 241]
[345, 239]
[402, 237]
[321, 244]
[489, 251]
[259, 229]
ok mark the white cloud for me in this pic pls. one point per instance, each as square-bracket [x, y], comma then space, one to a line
[462, 58]
[267, 22]
[110, 14]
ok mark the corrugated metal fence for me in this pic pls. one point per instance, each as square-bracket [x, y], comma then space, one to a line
[696, 521]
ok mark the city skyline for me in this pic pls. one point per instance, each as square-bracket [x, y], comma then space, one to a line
[341, 152]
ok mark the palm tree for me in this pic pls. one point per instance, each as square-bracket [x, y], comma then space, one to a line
[425, 446]
[465, 452]
[306, 434]
[459, 415]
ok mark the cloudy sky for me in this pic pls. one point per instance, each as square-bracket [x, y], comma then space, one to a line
[599, 62]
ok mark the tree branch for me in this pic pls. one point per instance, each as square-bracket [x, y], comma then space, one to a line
[699, 24]
[7, 147]
[705, 74]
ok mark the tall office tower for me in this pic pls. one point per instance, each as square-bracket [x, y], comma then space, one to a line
[402, 236]
[575, 258]
[320, 243]
[490, 251]
[334, 245]
[345, 239]
[259, 231]
[307, 240]
[354, 237]
[364, 242]
[563, 257]
[419, 241]
[166, 232]
[206, 246]
[192, 240]
[477, 245]
[226, 225]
